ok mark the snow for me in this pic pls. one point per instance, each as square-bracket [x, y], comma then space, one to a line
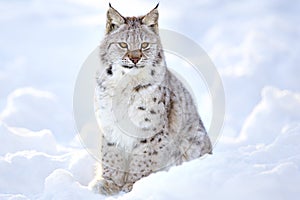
[27, 158]
[29, 108]
[18, 139]
[280, 106]
[257, 167]
[254, 45]
[61, 185]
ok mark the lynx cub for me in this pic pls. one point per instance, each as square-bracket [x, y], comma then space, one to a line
[168, 129]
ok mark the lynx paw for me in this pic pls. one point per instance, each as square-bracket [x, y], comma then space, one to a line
[127, 187]
[106, 187]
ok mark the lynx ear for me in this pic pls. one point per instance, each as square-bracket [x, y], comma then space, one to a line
[151, 19]
[114, 19]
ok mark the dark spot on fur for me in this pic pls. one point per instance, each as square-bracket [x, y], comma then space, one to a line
[141, 108]
[143, 141]
[126, 66]
[171, 106]
[152, 112]
[154, 99]
[137, 88]
[155, 152]
[159, 55]
[110, 144]
[151, 140]
[159, 140]
[152, 72]
[109, 70]
[147, 119]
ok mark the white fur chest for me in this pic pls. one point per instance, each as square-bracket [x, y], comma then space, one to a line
[121, 93]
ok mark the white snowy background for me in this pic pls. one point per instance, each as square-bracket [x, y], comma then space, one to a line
[255, 47]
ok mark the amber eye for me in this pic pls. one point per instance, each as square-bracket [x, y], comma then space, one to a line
[145, 45]
[123, 45]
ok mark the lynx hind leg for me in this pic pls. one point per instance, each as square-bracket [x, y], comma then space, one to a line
[204, 144]
[195, 147]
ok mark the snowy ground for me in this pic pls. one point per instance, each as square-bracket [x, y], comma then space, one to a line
[255, 46]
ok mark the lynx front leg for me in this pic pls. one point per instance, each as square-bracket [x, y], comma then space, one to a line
[111, 175]
[106, 187]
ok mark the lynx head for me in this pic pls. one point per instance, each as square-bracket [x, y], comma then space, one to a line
[132, 43]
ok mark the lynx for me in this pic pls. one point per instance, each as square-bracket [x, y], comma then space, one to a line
[168, 129]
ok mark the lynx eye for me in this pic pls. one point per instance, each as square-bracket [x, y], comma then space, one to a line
[145, 45]
[123, 45]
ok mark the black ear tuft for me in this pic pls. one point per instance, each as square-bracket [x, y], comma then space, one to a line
[114, 19]
[151, 19]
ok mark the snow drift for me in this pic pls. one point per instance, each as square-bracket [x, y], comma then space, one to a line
[250, 167]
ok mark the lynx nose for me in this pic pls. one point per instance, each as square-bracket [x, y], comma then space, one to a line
[135, 56]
